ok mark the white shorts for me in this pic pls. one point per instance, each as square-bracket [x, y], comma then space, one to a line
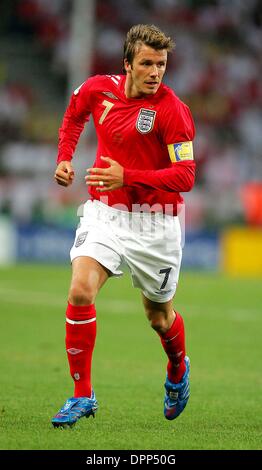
[148, 244]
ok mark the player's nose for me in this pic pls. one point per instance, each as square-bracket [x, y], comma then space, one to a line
[154, 71]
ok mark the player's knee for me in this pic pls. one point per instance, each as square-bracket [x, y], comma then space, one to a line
[159, 324]
[79, 294]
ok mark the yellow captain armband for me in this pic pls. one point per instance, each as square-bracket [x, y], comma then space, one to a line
[181, 151]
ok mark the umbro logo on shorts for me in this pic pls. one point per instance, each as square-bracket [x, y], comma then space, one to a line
[80, 239]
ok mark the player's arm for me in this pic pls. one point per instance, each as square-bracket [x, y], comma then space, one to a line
[179, 177]
[75, 117]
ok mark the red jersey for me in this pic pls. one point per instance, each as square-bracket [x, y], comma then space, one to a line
[150, 137]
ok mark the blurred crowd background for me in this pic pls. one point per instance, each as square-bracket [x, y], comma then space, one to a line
[216, 69]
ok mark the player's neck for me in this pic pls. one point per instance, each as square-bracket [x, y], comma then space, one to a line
[131, 90]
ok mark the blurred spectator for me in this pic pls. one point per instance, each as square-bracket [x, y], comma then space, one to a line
[252, 200]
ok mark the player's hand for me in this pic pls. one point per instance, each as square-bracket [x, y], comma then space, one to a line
[64, 174]
[106, 179]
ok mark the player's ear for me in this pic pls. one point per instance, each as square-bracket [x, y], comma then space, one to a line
[127, 66]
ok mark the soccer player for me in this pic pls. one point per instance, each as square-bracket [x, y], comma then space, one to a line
[144, 160]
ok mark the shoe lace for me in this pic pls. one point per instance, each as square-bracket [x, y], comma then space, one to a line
[74, 408]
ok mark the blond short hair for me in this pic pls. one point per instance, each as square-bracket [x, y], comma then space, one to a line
[150, 35]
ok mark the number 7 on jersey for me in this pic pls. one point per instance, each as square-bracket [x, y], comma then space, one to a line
[108, 105]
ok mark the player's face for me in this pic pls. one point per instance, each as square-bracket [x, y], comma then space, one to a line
[146, 71]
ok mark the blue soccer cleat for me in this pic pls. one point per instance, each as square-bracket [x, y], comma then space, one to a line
[74, 409]
[177, 395]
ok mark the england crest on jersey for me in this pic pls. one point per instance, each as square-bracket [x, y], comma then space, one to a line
[145, 120]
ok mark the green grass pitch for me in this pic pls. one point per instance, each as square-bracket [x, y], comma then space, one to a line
[223, 319]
